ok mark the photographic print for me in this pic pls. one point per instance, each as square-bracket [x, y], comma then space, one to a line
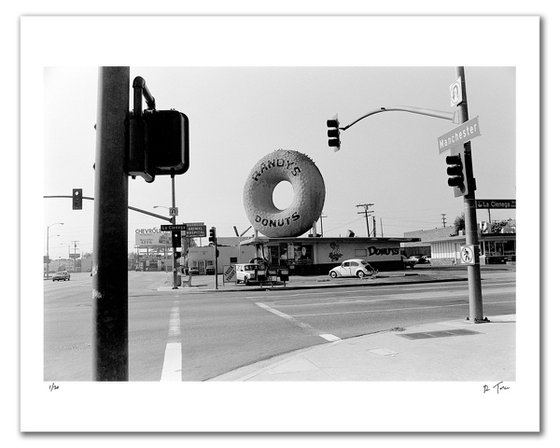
[232, 224]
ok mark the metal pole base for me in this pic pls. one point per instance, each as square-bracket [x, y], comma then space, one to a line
[480, 321]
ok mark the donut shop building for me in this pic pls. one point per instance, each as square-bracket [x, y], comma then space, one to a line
[317, 255]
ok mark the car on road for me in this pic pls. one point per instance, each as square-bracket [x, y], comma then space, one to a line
[210, 270]
[246, 273]
[193, 271]
[354, 267]
[61, 275]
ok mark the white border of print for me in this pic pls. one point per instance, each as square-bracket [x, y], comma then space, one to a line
[284, 41]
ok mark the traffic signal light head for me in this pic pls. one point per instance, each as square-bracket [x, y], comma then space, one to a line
[212, 236]
[176, 238]
[333, 132]
[456, 172]
[77, 199]
[167, 139]
[158, 144]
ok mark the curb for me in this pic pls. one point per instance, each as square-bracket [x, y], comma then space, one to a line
[198, 289]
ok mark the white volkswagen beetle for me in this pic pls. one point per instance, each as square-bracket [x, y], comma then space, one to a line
[353, 268]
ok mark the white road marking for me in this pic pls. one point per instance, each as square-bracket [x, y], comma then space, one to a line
[327, 336]
[330, 337]
[391, 298]
[390, 310]
[173, 358]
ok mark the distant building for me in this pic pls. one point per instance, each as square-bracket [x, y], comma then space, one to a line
[443, 245]
[317, 255]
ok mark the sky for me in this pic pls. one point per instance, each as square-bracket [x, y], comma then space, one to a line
[237, 115]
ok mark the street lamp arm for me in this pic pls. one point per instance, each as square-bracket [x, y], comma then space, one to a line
[412, 109]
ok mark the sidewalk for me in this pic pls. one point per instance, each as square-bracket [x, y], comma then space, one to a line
[203, 283]
[454, 350]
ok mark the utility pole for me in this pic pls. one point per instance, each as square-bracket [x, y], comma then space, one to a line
[321, 219]
[471, 231]
[365, 212]
[443, 220]
[74, 255]
[110, 228]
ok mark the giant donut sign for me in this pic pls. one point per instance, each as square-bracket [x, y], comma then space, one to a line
[309, 194]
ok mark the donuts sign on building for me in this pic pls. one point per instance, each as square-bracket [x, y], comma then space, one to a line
[309, 194]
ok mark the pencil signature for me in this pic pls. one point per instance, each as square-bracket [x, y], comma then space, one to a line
[53, 386]
[497, 387]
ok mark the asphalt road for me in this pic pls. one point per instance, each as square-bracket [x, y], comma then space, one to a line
[188, 336]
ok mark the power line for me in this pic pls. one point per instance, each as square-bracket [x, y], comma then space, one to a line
[365, 212]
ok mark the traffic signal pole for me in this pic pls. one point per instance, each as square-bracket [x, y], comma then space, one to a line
[110, 240]
[461, 115]
[471, 231]
[174, 221]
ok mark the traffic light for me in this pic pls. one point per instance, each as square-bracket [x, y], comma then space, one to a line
[167, 139]
[333, 132]
[456, 172]
[77, 199]
[176, 238]
[158, 144]
[212, 237]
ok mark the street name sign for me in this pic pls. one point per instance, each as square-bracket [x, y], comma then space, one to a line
[495, 203]
[171, 227]
[460, 135]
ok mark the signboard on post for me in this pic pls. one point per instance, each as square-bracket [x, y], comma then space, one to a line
[456, 93]
[467, 254]
[171, 227]
[495, 203]
[195, 230]
[460, 135]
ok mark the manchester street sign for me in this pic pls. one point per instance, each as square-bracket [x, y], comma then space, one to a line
[460, 135]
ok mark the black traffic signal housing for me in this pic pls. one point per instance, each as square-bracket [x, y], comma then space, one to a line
[212, 236]
[158, 143]
[333, 132]
[77, 199]
[176, 238]
[177, 254]
[167, 139]
[457, 174]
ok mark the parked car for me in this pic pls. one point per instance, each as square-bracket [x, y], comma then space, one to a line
[210, 270]
[409, 262]
[353, 268]
[246, 273]
[423, 259]
[61, 275]
[193, 271]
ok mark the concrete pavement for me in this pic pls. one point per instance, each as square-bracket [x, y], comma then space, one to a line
[454, 350]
